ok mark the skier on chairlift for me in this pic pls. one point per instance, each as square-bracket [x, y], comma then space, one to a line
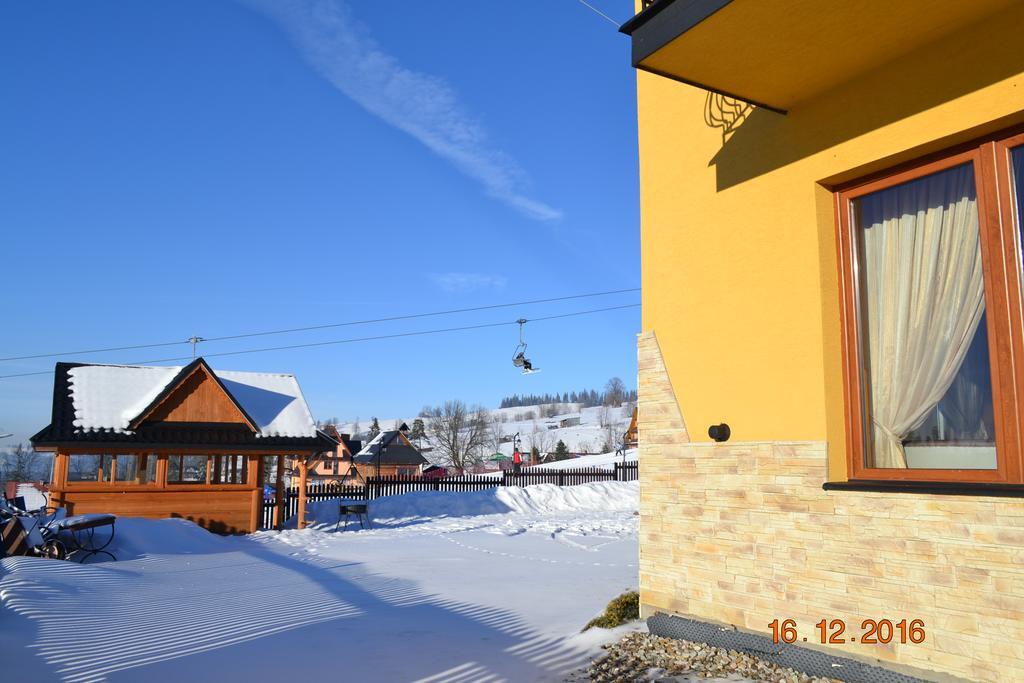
[519, 358]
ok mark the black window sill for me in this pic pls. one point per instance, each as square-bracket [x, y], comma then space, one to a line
[947, 488]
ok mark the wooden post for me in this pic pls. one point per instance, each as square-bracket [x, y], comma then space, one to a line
[60, 479]
[279, 500]
[255, 481]
[302, 493]
[161, 470]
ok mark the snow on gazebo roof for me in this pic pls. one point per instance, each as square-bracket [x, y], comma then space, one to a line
[110, 397]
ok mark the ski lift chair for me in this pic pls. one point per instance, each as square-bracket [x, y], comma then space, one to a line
[519, 358]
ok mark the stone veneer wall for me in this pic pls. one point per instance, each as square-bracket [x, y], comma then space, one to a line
[743, 533]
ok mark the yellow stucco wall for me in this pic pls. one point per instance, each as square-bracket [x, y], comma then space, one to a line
[738, 238]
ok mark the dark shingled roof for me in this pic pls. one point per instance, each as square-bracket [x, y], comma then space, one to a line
[397, 452]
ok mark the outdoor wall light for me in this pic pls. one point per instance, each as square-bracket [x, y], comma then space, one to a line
[719, 432]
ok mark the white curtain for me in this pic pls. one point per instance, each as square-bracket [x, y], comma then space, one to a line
[924, 295]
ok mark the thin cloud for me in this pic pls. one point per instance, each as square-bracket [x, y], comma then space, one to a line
[424, 106]
[468, 282]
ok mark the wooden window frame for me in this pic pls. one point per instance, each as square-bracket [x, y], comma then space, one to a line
[181, 467]
[113, 481]
[1002, 265]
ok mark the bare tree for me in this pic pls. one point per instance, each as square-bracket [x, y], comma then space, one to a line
[459, 433]
[495, 431]
[540, 438]
[614, 392]
[20, 464]
[612, 437]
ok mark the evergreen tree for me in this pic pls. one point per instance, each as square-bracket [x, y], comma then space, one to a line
[374, 428]
[561, 451]
[417, 431]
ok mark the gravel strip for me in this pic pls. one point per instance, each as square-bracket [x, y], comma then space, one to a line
[645, 657]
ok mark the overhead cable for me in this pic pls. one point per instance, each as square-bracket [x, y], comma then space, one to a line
[309, 328]
[354, 340]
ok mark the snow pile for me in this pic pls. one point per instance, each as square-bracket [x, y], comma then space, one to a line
[539, 499]
[611, 496]
[604, 461]
[135, 537]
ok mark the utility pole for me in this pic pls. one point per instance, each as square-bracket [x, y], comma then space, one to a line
[194, 341]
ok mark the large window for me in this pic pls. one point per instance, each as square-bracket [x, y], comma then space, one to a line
[187, 469]
[934, 340]
[229, 469]
[120, 469]
[207, 469]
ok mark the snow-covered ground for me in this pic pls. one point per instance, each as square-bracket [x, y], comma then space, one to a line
[486, 586]
[601, 461]
[604, 461]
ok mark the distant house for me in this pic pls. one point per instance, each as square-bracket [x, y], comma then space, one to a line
[144, 441]
[435, 472]
[389, 454]
[569, 422]
[336, 467]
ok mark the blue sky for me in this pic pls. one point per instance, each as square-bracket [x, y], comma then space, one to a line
[215, 167]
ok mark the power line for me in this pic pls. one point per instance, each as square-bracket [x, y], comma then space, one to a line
[357, 339]
[598, 12]
[323, 327]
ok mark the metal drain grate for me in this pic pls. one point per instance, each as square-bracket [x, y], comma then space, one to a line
[802, 659]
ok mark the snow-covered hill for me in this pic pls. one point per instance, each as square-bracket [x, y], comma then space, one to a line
[586, 430]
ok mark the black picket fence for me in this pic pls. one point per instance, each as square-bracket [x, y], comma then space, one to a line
[377, 487]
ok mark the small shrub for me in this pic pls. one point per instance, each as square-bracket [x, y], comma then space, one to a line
[622, 609]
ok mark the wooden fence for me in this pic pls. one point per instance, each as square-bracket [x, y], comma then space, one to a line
[377, 487]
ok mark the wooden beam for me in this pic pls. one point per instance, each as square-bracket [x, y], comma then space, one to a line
[279, 506]
[60, 469]
[161, 471]
[303, 470]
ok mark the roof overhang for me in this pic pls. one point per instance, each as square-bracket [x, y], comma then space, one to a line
[777, 53]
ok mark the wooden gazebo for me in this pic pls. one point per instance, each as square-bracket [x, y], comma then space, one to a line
[141, 441]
